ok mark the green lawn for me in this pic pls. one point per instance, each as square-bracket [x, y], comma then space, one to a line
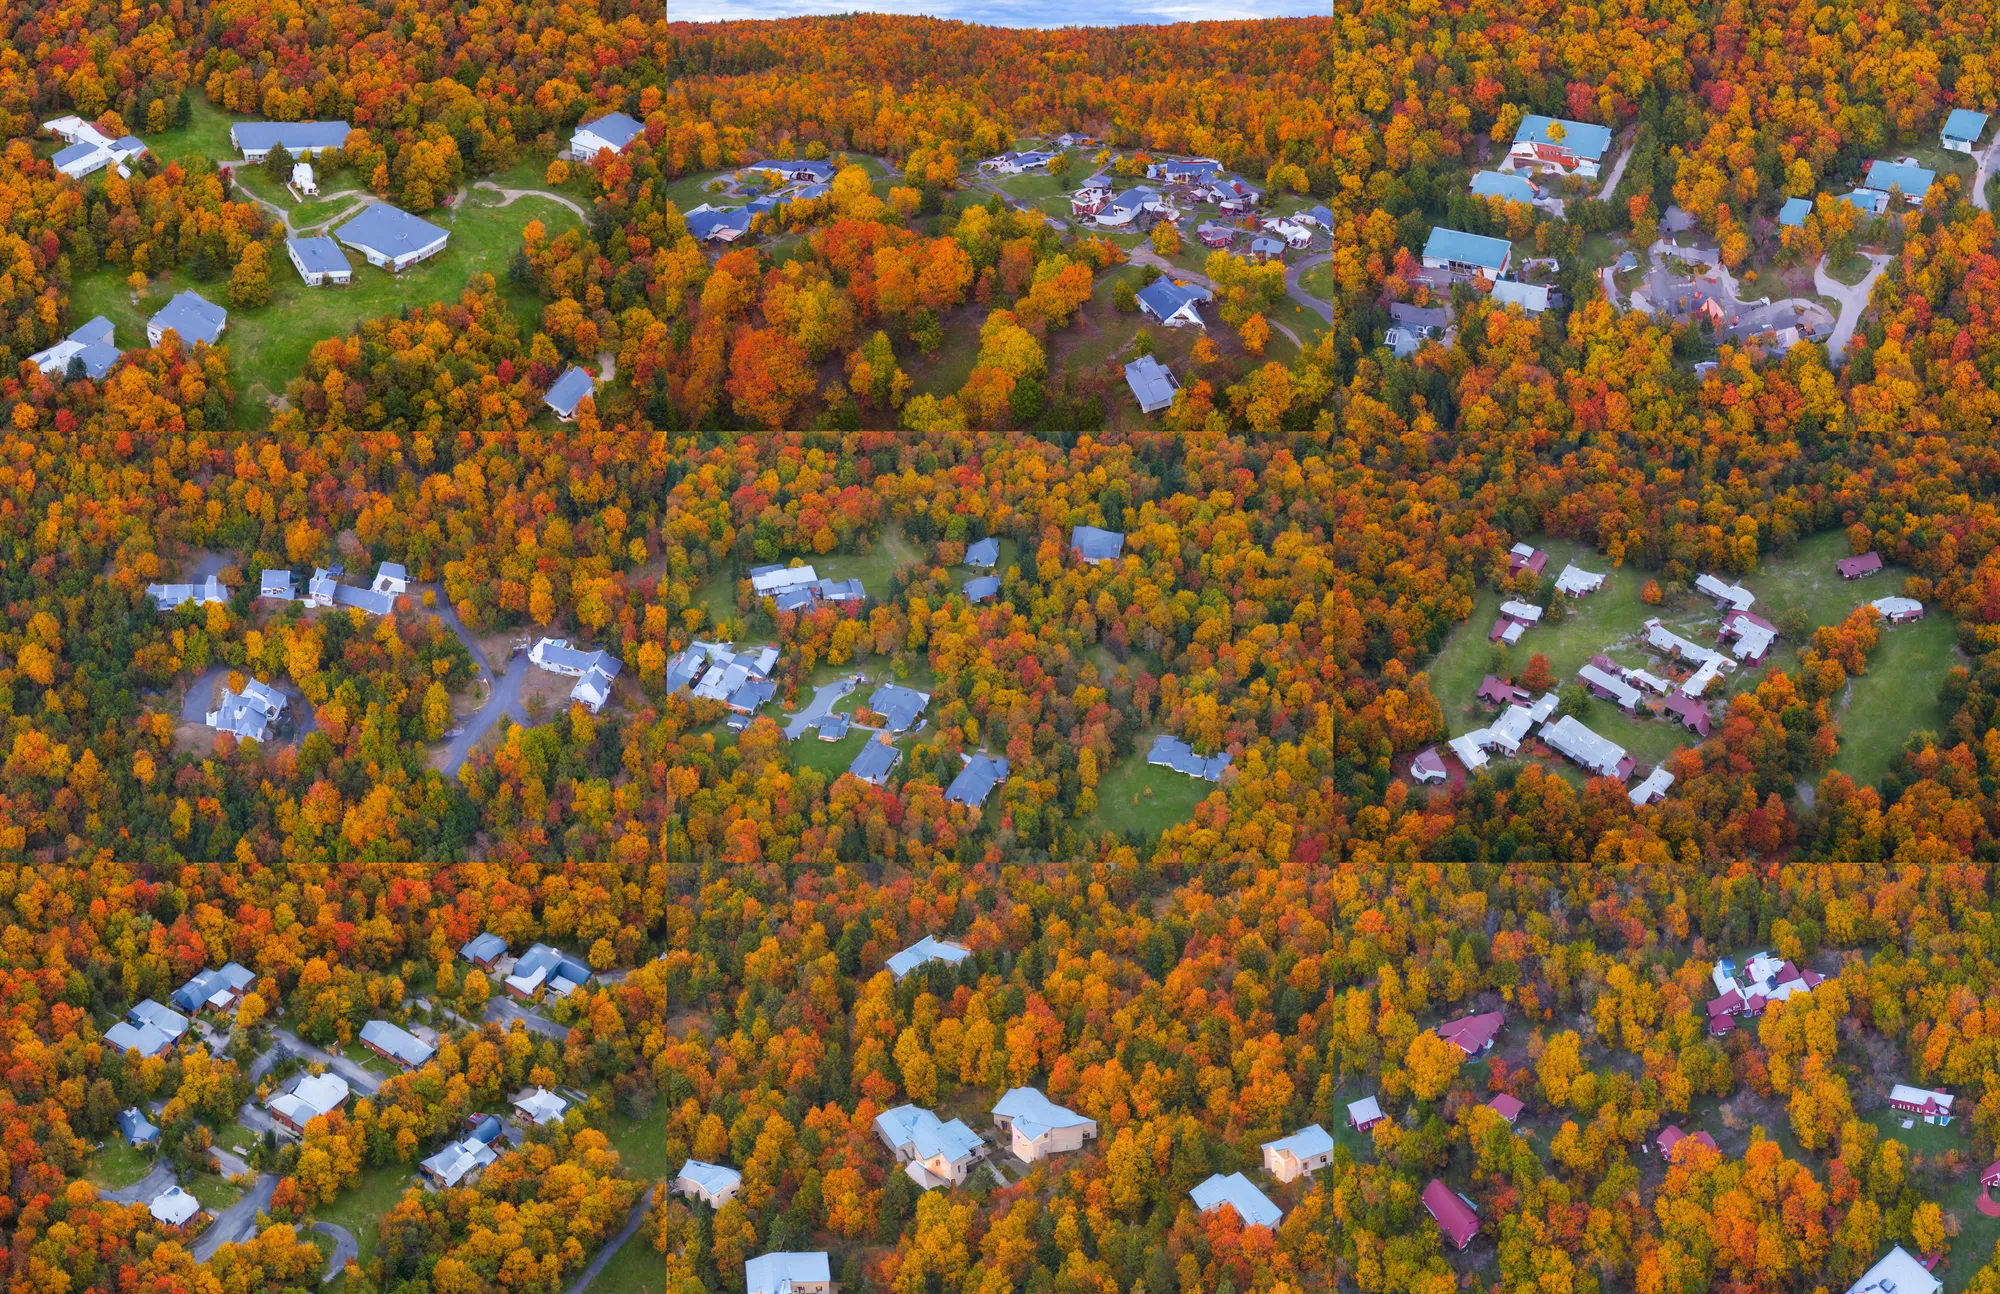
[1896, 697]
[205, 135]
[361, 1210]
[118, 1165]
[636, 1269]
[829, 758]
[1033, 187]
[1136, 796]
[367, 1059]
[642, 1144]
[1851, 271]
[874, 567]
[718, 596]
[268, 346]
[690, 191]
[945, 372]
[214, 1192]
[1318, 281]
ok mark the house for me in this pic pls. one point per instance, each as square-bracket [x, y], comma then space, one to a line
[1507, 732]
[1533, 298]
[249, 713]
[1931, 1107]
[1766, 979]
[593, 671]
[832, 727]
[1552, 141]
[767, 580]
[133, 1127]
[93, 152]
[1526, 612]
[174, 1207]
[787, 1274]
[484, 950]
[1452, 1212]
[1300, 1155]
[545, 967]
[538, 1106]
[1609, 687]
[144, 1039]
[1733, 596]
[392, 1043]
[1093, 545]
[1899, 611]
[569, 391]
[214, 990]
[1507, 1107]
[319, 260]
[1412, 325]
[901, 708]
[712, 1184]
[708, 225]
[1213, 236]
[1267, 249]
[157, 1015]
[1671, 1137]
[1793, 214]
[1854, 568]
[1427, 766]
[925, 951]
[391, 237]
[1869, 202]
[168, 596]
[1172, 752]
[976, 780]
[192, 316]
[302, 179]
[1471, 748]
[1914, 181]
[1689, 712]
[1152, 384]
[1236, 1191]
[1038, 1127]
[612, 131]
[1498, 691]
[278, 586]
[1662, 639]
[1653, 789]
[1319, 216]
[1068, 140]
[1466, 255]
[1129, 207]
[1526, 557]
[1364, 1113]
[1581, 746]
[306, 1097]
[1897, 1273]
[1092, 198]
[983, 554]
[458, 1164]
[793, 171]
[90, 345]
[256, 139]
[932, 1152]
[1575, 582]
[875, 762]
[1174, 304]
[1502, 184]
[1507, 631]
[981, 589]
[1751, 634]
[1962, 129]
[1473, 1034]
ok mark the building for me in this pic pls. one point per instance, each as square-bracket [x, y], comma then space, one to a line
[1855, 568]
[569, 391]
[1173, 304]
[1765, 979]
[1610, 688]
[1507, 732]
[392, 1043]
[1869, 202]
[1913, 181]
[1671, 1137]
[832, 727]
[391, 237]
[538, 1107]
[256, 139]
[1130, 208]
[192, 316]
[925, 951]
[1897, 1273]
[1267, 249]
[787, 1274]
[1037, 1127]
[1411, 326]
[1507, 1107]
[484, 950]
[302, 179]
[1751, 634]
[166, 597]
[1899, 611]
[1962, 129]
[875, 762]
[1498, 691]
[1662, 639]
[319, 260]
[278, 586]
[1732, 596]
[1213, 236]
[1427, 766]
[1653, 789]
[1090, 200]
[1931, 1107]
[712, 1184]
[610, 132]
[545, 967]
[1464, 255]
[1793, 214]
[708, 225]
[157, 1015]
[249, 713]
[1474, 1034]
[132, 1126]
[1503, 184]
[1452, 1212]
[976, 780]
[90, 345]
[1583, 747]
[1689, 712]
[458, 1164]
[983, 554]
[214, 990]
[932, 1152]
[1152, 384]
[1193, 170]
[306, 1097]
[983, 589]
[901, 708]
[1237, 1191]
[1364, 1113]
[1093, 545]
[1526, 557]
[1533, 298]
[593, 671]
[1575, 582]
[1302, 1154]
[793, 172]
[1470, 748]
[174, 1207]
[1553, 141]
[1525, 612]
[144, 1039]
[1172, 752]
[93, 151]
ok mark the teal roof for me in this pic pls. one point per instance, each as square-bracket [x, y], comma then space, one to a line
[1467, 249]
[1965, 124]
[1914, 181]
[1795, 211]
[1495, 184]
[1579, 137]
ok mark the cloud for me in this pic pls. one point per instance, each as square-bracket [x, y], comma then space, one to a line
[1011, 13]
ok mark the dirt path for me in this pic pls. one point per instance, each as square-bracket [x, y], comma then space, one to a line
[507, 197]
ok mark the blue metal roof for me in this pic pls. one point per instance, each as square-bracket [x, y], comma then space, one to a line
[985, 552]
[253, 136]
[875, 762]
[703, 223]
[1964, 124]
[1579, 137]
[984, 587]
[389, 231]
[1794, 212]
[74, 153]
[484, 947]
[1152, 383]
[1496, 184]
[193, 316]
[1914, 181]
[1467, 249]
[1164, 298]
[976, 780]
[615, 129]
[569, 390]
[319, 255]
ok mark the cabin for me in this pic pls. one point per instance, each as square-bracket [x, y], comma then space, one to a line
[1452, 1212]
[303, 179]
[712, 1184]
[391, 237]
[1608, 687]
[1597, 755]
[1507, 1107]
[192, 316]
[1237, 1192]
[1526, 557]
[1474, 1034]
[923, 952]
[1856, 568]
[1793, 214]
[1961, 130]
[1932, 1107]
[569, 391]
[1671, 1137]
[1037, 1127]
[1733, 597]
[1427, 767]
[1899, 611]
[1652, 790]
[1575, 582]
[1300, 1155]
[783, 1273]
[1364, 1113]
[1751, 634]
[1498, 691]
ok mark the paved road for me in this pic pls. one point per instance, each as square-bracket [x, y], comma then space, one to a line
[201, 694]
[502, 697]
[1617, 174]
[1610, 280]
[821, 704]
[357, 1078]
[345, 1248]
[1853, 300]
[507, 197]
[504, 1009]
[146, 1188]
[1294, 273]
[230, 1164]
[617, 1242]
[238, 1222]
[1980, 175]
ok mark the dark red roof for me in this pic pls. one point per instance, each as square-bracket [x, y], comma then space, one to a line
[1721, 1024]
[1500, 692]
[1671, 1137]
[1453, 1215]
[1991, 1177]
[1728, 1003]
[1691, 712]
[1853, 568]
[1429, 762]
[1474, 1032]
[1534, 562]
[1507, 1107]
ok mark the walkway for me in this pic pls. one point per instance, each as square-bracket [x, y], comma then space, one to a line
[1853, 300]
[610, 1251]
[238, 1222]
[345, 1249]
[507, 197]
[1981, 173]
[822, 704]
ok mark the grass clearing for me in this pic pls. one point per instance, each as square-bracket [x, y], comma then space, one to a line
[829, 758]
[874, 568]
[367, 1059]
[1136, 796]
[635, 1269]
[945, 372]
[118, 1164]
[206, 135]
[215, 1193]
[362, 1209]
[1852, 270]
[1318, 281]
[642, 1143]
[1896, 697]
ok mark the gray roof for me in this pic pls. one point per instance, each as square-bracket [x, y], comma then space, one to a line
[319, 255]
[976, 780]
[986, 552]
[984, 587]
[74, 153]
[754, 693]
[389, 231]
[1096, 545]
[874, 762]
[614, 128]
[832, 727]
[97, 332]
[160, 1016]
[145, 1039]
[1152, 383]
[1176, 754]
[403, 1045]
[556, 962]
[194, 994]
[1419, 316]
[252, 136]
[703, 223]
[900, 707]
[484, 947]
[1164, 298]
[133, 1126]
[97, 360]
[569, 390]
[380, 604]
[193, 316]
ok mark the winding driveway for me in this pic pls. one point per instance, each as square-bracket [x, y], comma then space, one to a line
[146, 1188]
[1853, 300]
[617, 1242]
[502, 1010]
[357, 1078]
[1294, 277]
[1617, 174]
[507, 197]
[238, 1222]
[346, 1249]
[503, 696]
[821, 705]
[1980, 175]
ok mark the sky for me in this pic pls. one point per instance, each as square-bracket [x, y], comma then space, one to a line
[1011, 13]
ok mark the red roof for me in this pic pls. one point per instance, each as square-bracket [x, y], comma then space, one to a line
[1500, 692]
[1728, 1004]
[1671, 1136]
[1991, 1177]
[1534, 562]
[1721, 1024]
[1853, 568]
[1452, 1214]
[1474, 1033]
[1691, 712]
[1507, 1107]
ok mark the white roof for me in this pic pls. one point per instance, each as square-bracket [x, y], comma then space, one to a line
[1307, 1142]
[1471, 748]
[771, 579]
[1698, 682]
[1893, 606]
[541, 1105]
[712, 1178]
[926, 950]
[1656, 783]
[175, 1206]
[1751, 640]
[1575, 580]
[1908, 1095]
[1365, 1110]
[1734, 594]
[1522, 550]
[1621, 691]
[1527, 611]
[1897, 1273]
[1512, 633]
[1544, 707]
[1236, 1190]
[914, 1128]
[315, 1094]
[527, 984]
[459, 1158]
[1510, 728]
[1568, 737]
[1664, 639]
[1645, 678]
[775, 1273]
[1035, 1114]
